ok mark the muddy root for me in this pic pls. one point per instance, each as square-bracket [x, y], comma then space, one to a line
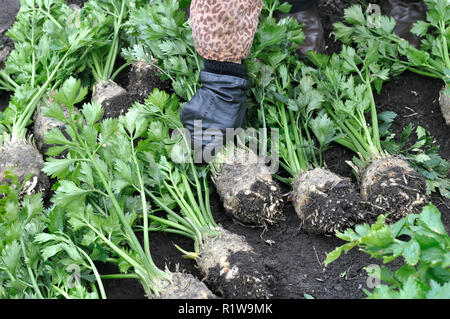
[184, 286]
[246, 188]
[391, 185]
[25, 160]
[232, 269]
[42, 125]
[325, 202]
[444, 102]
[115, 100]
[4, 54]
[143, 78]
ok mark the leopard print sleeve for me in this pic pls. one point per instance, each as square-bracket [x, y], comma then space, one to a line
[223, 30]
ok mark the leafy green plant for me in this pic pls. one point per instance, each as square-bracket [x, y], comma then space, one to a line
[111, 17]
[174, 180]
[431, 59]
[420, 240]
[394, 56]
[102, 184]
[50, 44]
[420, 150]
[181, 194]
[347, 80]
[289, 99]
[276, 73]
[161, 32]
[87, 178]
[36, 255]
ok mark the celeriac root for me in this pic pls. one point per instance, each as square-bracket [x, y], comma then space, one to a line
[25, 161]
[184, 286]
[233, 269]
[444, 102]
[391, 185]
[325, 202]
[42, 125]
[114, 99]
[246, 188]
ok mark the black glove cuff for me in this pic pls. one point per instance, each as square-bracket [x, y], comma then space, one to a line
[303, 5]
[226, 68]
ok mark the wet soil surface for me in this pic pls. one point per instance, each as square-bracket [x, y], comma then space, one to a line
[296, 257]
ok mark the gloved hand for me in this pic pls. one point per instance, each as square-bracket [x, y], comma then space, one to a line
[220, 103]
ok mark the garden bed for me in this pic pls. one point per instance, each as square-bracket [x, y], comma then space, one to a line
[295, 257]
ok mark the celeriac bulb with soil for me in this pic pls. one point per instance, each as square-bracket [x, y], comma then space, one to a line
[246, 187]
[26, 162]
[325, 201]
[391, 186]
[444, 102]
[388, 184]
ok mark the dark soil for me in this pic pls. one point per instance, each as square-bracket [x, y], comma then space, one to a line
[294, 256]
[79, 3]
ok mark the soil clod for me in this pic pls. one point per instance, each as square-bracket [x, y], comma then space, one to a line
[114, 99]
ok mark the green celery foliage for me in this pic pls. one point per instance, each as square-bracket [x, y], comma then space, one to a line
[431, 59]
[423, 244]
[37, 258]
[101, 183]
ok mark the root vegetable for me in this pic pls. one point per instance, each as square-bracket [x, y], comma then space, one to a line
[246, 188]
[181, 190]
[444, 102]
[143, 79]
[390, 185]
[43, 124]
[25, 160]
[114, 99]
[183, 286]
[325, 202]
[4, 53]
[231, 266]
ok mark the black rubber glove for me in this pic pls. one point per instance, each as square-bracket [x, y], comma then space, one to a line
[220, 103]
